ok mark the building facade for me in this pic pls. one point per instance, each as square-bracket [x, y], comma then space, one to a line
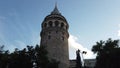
[90, 63]
[73, 63]
[54, 36]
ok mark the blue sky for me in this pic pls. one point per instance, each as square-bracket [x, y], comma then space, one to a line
[89, 21]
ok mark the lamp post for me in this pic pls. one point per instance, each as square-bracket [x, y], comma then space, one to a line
[83, 52]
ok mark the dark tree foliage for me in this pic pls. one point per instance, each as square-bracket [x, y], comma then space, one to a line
[20, 59]
[78, 60]
[42, 58]
[4, 55]
[26, 58]
[108, 54]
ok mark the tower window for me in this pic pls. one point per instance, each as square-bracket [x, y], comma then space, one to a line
[45, 25]
[49, 37]
[50, 23]
[62, 24]
[56, 31]
[56, 23]
[49, 32]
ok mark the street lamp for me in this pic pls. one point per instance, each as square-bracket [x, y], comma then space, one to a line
[83, 52]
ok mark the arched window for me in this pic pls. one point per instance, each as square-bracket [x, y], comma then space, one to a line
[56, 23]
[62, 25]
[45, 25]
[50, 23]
[56, 31]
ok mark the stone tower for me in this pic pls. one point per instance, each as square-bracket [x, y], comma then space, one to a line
[54, 36]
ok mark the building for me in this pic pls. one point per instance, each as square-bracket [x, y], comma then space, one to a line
[73, 63]
[54, 36]
[88, 63]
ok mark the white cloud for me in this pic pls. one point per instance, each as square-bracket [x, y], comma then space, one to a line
[74, 45]
[118, 32]
[118, 25]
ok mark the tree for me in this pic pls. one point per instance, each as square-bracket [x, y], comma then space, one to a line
[4, 55]
[41, 54]
[108, 53]
[26, 58]
[20, 59]
[42, 58]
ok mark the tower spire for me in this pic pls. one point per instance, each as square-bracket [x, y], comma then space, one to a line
[55, 4]
[55, 11]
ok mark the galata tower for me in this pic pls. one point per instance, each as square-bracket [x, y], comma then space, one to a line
[54, 36]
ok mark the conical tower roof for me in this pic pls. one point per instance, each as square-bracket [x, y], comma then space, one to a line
[55, 11]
